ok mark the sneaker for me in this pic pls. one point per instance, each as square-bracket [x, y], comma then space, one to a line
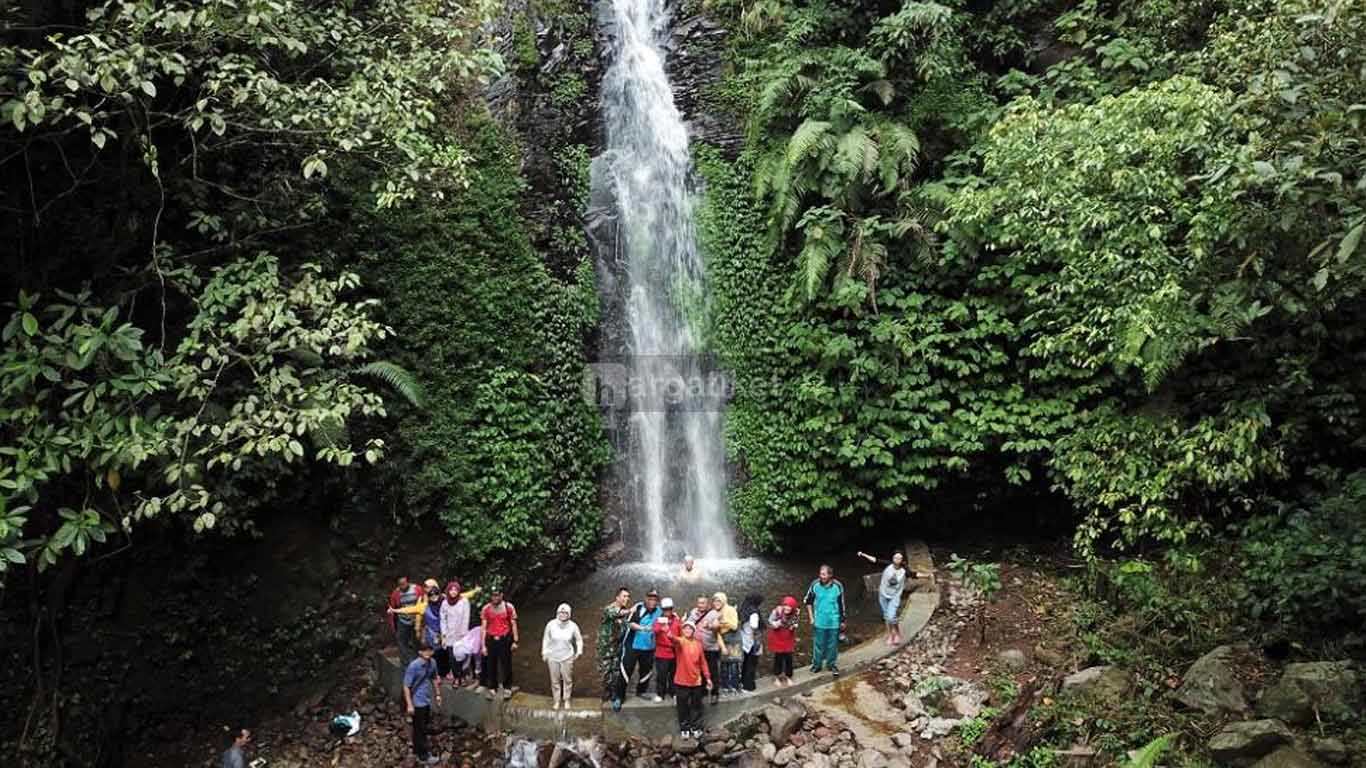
[834, 671]
[815, 670]
[555, 706]
[616, 705]
[507, 692]
[657, 698]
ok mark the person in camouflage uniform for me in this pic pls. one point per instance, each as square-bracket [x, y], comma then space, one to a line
[610, 634]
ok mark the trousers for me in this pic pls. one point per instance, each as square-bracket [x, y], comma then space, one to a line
[825, 648]
[689, 704]
[561, 679]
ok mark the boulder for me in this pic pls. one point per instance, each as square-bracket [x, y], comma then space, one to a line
[1211, 686]
[784, 756]
[782, 722]
[1286, 757]
[1329, 750]
[938, 726]
[965, 705]
[1103, 682]
[913, 706]
[1325, 688]
[871, 758]
[715, 749]
[751, 759]
[685, 746]
[1245, 743]
[1012, 659]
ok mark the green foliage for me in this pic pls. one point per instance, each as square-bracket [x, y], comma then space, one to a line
[229, 71]
[507, 454]
[1150, 753]
[1305, 566]
[983, 579]
[400, 379]
[260, 374]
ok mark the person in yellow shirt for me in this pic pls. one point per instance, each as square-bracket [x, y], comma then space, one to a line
[430, 595]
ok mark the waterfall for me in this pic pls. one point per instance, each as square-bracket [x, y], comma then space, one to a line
[676, 461]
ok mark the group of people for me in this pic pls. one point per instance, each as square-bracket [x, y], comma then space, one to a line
[682, 653]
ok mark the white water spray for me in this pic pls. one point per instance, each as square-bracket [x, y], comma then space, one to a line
[677, 458]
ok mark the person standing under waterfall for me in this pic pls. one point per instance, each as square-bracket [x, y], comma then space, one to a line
[690, 672]
[690, 571]
[561, 646]
[638, 645]
[610, 634]
[499, 620]
[667, 627]
[419, 691]
[751, 640]
[825, 609]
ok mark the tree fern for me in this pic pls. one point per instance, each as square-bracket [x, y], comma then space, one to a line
[397, 377]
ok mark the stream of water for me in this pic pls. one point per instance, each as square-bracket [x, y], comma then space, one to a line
[677, 467]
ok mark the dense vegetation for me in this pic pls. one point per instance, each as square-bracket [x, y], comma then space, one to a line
[1104, 250]
[1102, 259]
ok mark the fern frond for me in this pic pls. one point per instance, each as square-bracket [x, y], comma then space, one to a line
[851, 153]
[397, 378]
[1147, 756]
[808, 137]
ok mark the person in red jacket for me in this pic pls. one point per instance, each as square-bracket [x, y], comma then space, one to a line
[666, 628]
[782, 638]
[690, 675]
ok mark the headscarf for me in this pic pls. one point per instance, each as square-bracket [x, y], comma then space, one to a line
[453, 585]
[564, 607]
[790, 601]
[751, 604]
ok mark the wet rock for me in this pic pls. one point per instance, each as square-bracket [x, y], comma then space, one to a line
[685, 746]
[1286, 757]
[1329, 750]
[782, 722]
[1211, 686]
[715, 749]
[784, 756]
[1305, 689]
[1244, 743]
[1102, 683]
[1012, 659]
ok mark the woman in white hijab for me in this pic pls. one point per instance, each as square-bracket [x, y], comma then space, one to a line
[561, 644]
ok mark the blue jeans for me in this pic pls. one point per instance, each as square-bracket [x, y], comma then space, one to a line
[826, 648]
[889, 608]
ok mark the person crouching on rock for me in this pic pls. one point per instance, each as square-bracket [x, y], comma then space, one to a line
[782, 638]
[691, 678]
[419, 691]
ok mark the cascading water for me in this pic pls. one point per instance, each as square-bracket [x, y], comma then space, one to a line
[676, 459]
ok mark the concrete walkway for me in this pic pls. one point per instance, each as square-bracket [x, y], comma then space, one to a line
[531, 715]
